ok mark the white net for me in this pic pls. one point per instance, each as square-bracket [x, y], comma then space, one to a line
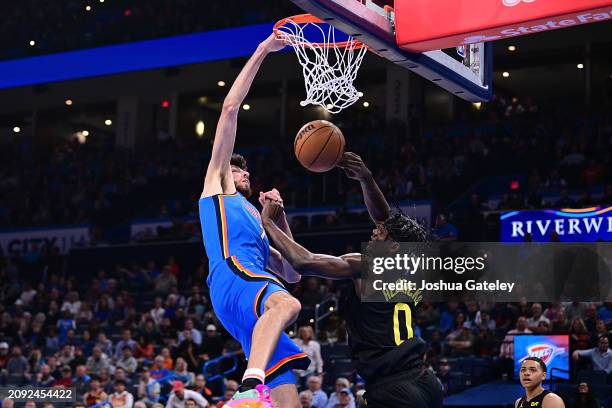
[329, 68]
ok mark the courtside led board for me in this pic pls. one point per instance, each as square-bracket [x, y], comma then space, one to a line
[424, 25]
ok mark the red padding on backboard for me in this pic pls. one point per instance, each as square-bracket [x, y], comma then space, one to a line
[425, 25]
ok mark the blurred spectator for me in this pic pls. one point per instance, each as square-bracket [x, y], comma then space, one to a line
[600, 356]
[127, 361]
[148, 388]
[44, 377]
[196, 336]
[345, 399]
[65, 324]
[66, 355]
[584, 398]
[182, 374]
[165, 281]
[158, 312]
[81, 382]
[575, 310]
[65, 380]
[461, 341]
[121, 398]
[506, 351]
[600, 330]
[180, 395]
[104, 344]
[212, 343]
[17, 368]
[536, 317]
[72, 304]
[126, 341]
[121, 375]
[319, 397]
[201, 388]
[312, 348]
[97, 362]
[579, 335]
[342, 397]
[443, 230]
[306, 399]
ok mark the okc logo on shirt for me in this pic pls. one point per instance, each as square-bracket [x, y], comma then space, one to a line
[252, 210]
[512, 3]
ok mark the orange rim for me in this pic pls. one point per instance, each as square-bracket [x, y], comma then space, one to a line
[310, 19]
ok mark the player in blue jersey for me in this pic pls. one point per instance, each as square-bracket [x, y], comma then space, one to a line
[248, 299]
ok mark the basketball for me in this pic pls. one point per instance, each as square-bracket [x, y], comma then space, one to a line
[319, 146]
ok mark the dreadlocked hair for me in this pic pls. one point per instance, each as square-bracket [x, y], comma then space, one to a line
[403, 228]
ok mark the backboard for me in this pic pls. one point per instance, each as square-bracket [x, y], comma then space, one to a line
[468, 77]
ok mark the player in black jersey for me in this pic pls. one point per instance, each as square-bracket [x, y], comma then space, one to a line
[533, 373]
[387, 354]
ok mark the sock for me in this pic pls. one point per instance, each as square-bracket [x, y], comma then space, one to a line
[252, 378]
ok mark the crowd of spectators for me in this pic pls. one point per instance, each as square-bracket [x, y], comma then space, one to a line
[72, 183]
[144, 334]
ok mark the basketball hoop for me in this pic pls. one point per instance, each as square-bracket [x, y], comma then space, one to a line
[329, 66]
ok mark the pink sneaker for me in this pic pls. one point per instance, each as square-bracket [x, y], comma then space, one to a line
[257, 398]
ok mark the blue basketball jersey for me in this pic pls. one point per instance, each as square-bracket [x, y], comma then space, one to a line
[238, 251]
[232, 231]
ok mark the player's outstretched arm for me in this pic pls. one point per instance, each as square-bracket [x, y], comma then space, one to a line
[218, 178]
[282, 222]
[276, 263]
[375, 201]
[301, 259]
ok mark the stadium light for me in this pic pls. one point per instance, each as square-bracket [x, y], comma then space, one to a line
[101, 1]
[200, 128]
[108, 122]
[331, 309]
[330, 106]
[68, 102]
[85, 133]
[360, 94]
[32, 43]
[202, 100]
[88, 8]
[505, 74]
[580, 66]
[512, 48]
[246, 107]
[366, 104]
[221, 83]
[311, 320]
[16, 129]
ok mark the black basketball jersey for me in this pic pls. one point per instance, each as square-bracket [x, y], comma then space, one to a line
[381, 337]
[536, 401]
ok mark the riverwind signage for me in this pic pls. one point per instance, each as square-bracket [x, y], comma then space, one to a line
[584, 225]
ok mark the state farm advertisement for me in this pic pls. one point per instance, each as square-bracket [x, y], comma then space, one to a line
[426, 25]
